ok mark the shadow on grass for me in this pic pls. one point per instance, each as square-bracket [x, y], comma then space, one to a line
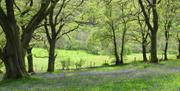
[133, 64]
[19, 81]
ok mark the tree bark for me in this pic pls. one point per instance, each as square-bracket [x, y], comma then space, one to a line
[51, 40]
[123, 41]
[153, 27]
[144, 35]
[13, 53]
[167, 27]
[52, 56]
[178, 56]
[13, 57]
[144, 44]
[144, 52]
[166, 44]
[30, 60]
[154, 58]
[116, 54]
[122, 46]
[116, 49]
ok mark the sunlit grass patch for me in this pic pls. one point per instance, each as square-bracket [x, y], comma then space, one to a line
[90, 60]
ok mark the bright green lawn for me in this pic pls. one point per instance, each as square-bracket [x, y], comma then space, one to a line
[40, 63]
[164, 76]
[74, 56]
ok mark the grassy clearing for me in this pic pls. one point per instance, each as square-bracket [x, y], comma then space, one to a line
[41, 58]
[132, 77]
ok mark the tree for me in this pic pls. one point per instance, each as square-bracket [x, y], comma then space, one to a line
[176, 27]
[23, 21]
[112, 27]
[153, 27]
[113, 24]
[140, 35]
[168, 15]
[126, 17]
[13, 53]
[56, 26]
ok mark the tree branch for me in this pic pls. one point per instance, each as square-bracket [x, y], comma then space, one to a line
[10, 10]
[60, 29]
[65, 33]
[147, 20]
[3, 20]
[36, 20]
[60, 10]
[47, 30]
[2, 16]
[17, 6]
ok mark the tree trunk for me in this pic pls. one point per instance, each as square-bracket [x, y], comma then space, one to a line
[122, 51]
[144, 36]
[166, 45]
[144, 52]
[13, 54]
[52, 56]
[116, 54]
[167, 27]
[178, 56]
[154, 58]
[30, 60]
[153, 27]
[123, 42]
[13, 58]
[115, 47]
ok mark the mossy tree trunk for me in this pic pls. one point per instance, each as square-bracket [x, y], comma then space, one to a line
[13, 54]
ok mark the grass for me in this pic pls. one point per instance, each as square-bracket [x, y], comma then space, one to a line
[164, 76]
[134, 76]
[41, 58]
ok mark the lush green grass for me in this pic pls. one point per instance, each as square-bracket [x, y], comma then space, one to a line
[132, 77]
[40, 63]
[41, 58]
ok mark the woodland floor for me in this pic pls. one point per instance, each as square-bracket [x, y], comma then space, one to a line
[164, 76]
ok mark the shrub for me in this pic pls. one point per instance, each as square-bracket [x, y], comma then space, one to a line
[66, 64]
[105, 63]
[63, 64]
[80, 63]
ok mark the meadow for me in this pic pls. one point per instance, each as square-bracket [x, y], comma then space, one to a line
[89, 60]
